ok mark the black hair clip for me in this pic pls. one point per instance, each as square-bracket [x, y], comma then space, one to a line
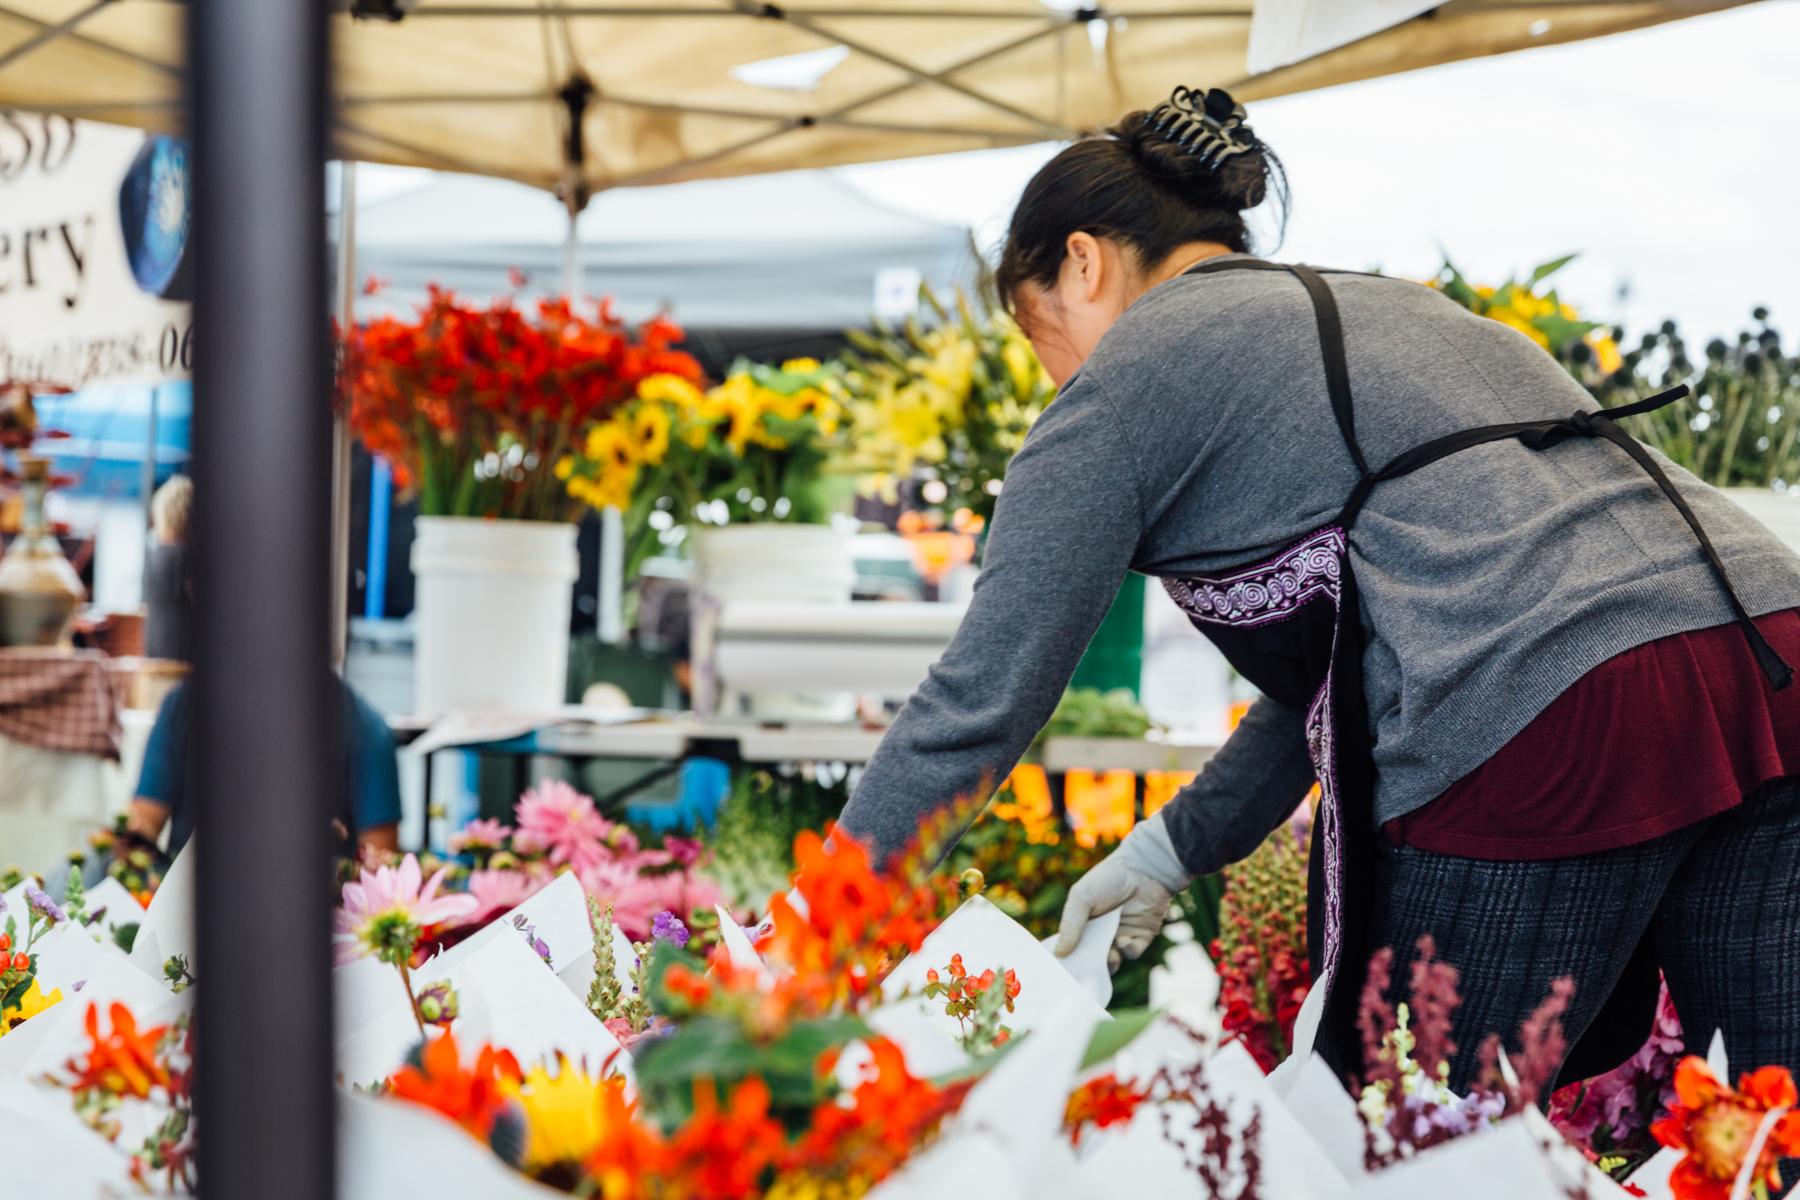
[1208, 125]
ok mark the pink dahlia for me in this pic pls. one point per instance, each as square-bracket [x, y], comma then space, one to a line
[564, 824]
[386, 911]
[480, 834]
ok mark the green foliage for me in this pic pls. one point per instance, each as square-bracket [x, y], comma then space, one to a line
[1091, 713]
[752, 843]
[1112, 1036]
[725, 1050]
[1741, 425]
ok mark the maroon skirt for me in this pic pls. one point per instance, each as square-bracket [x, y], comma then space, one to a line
[1659, 737]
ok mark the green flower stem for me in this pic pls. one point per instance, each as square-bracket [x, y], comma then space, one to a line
[412, 1001]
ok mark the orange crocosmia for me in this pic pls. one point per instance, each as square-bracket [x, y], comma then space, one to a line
[1715, 1126]
[473, 1097]
[122, 1062]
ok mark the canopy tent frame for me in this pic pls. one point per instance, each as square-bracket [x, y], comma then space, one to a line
[360, 113]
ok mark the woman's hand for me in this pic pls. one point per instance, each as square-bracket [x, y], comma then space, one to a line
[1140, 879]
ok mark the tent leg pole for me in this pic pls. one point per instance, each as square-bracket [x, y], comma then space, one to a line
[264, 752]
[340, 426]
[610, 609]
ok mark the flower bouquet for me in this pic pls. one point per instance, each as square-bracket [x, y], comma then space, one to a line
[753, 449]
[946, 403]
[474, 406]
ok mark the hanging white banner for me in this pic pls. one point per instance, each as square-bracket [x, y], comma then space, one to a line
[93, 253]
[1286, 31]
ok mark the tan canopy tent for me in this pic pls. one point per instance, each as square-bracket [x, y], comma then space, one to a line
[683, 89]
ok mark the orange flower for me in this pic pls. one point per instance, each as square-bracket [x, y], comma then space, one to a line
[724, 1153]
[1716, 1126]
[471, 1098]
[124, 1061]
[1098, 1103]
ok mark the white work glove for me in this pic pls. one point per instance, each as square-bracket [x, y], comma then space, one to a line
[1140, 878]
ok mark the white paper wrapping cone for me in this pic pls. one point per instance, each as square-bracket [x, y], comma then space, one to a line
[1087, 962]
[1186, 985]
[170, 918]
[1327, 1112]
[989, 939]
[1306, 1036]
[958, 1165]
[388, 1149]
[49, 1153]
[1508, 1162]
[1020, 1102]
[738, 946]
[508, 997]
[557, 911]
[1653, 1176]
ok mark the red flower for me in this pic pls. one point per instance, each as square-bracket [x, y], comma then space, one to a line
[1716, 1127]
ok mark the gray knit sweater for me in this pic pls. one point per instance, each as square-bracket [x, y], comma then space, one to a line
[1199, 436]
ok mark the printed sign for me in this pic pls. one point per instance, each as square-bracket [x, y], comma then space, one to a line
[94, 262]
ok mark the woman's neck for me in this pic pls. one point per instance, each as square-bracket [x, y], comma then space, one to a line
[1184, 258]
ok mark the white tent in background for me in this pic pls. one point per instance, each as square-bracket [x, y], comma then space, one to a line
[803, 250]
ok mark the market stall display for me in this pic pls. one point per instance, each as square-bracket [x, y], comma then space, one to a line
[886, 1033]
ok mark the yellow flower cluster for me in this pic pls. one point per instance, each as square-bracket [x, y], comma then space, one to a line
[1543, 318]
[914, 398]
[670, 414]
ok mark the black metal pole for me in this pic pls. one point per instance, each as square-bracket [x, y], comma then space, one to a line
[265, 734]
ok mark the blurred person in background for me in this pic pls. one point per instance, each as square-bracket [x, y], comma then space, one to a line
[168, 591]
[367, 805]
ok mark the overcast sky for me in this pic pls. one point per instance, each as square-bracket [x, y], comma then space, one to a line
[1670, 158]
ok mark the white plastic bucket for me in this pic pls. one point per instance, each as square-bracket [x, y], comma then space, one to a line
[790, 564]
[492, 613]
[1780, 511]
[803, 564]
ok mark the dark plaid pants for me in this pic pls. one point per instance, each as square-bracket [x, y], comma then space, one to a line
[1720, 898]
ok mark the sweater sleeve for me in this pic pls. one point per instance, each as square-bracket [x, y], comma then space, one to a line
[1253, 784]
[1064, 534]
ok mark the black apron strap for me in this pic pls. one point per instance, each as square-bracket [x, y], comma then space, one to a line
[1542, 435]
[1337, 366]
[1331, 342]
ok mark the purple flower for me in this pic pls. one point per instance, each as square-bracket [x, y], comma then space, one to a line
[538, 944]
[42, 905]
[667, 927]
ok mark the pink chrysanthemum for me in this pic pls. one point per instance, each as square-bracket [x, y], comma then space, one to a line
[385, 912]
[643, 885]
[561, 822]
[480, 834]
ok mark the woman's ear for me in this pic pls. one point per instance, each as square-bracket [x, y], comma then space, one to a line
[1088, 264]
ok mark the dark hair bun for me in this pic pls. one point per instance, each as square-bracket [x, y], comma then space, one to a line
[1187, 171]
[1237, 182]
